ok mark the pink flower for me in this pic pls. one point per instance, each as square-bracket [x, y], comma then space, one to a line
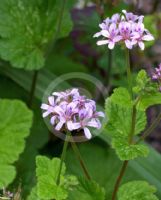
[125, 28]
[49, 108]
[130, 17]
[111, 35]
[125, 33]
[68, 110]
[157, 74]
[140, 34]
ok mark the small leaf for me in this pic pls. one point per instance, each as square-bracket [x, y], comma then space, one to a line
[129, 152]
[137, 190]
[47, 172]
[147, 91]
[121, 97]
[15, 126]
[154, 98]
[87, 190]
[119, 112]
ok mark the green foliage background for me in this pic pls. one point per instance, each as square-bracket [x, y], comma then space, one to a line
[32, 37]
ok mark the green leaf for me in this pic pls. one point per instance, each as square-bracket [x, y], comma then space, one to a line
[15, 126]
[154, 98]
[87, 190]
[119, 112]
[47, 172]
[118, 109]
[129, 152]
[137, 190]
[121, 97]
[147, 91]
[26, 29]
[33, 194]
[141, 168]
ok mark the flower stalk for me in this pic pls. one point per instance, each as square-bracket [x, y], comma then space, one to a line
[79, 157]
[118, 181]
[63, 156]
[128, 69]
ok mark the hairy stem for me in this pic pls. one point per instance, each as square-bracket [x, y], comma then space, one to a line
[119, 178]
[132, 131]
[128, 69]
[109, 67]
[82, 164]
[63, 157]
[33, 87]
[150, 129]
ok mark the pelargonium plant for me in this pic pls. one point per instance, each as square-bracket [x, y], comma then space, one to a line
[69, 111]
[126, 109]
[125, 28]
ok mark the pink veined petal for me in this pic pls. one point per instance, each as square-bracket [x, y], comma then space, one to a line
[56, 93]
[97, 34]
[102, 42]
[133, 42]
[111, 45]
[51, 100]
[51, 109]
[45, 114]
[44, 106]
[112, 27]
[59, 125]
[94, 123]
[135, 35]
[72, 105]
[100, 114]
[76, 126]
[140, 19]
[70, 125]
[59, 110]
[148, 37]
[105, 33]
[52, 120]
[117, 38]
[128, 44]
[102, 26]
[87, 133]
[124, 11]
[141, 45]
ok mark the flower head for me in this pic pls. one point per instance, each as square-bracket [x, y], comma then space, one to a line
[156, 76]
[157, 73]
[68, 110]
[127, 28]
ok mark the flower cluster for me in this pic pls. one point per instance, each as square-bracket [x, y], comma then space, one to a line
[70, 111]
[156, 76]
[125, 27]
[157, 73]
